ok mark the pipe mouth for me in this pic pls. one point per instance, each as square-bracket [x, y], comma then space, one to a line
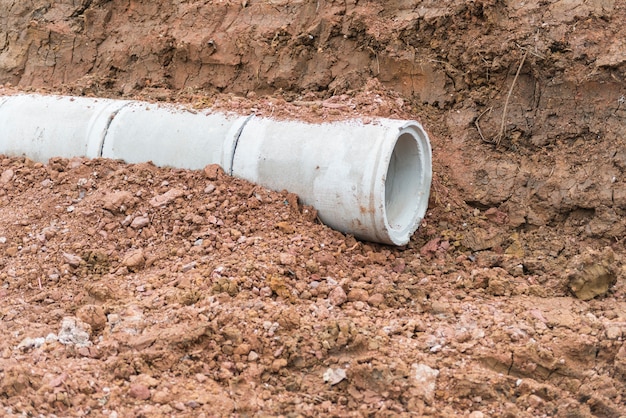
[407, 183]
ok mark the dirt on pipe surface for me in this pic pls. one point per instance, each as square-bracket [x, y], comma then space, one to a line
[132, 290]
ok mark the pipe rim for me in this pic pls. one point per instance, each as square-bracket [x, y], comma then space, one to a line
[406, 186]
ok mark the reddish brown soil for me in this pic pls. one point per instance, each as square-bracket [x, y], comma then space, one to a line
[233, 300]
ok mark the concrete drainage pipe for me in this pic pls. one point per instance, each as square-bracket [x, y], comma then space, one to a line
[369, 180]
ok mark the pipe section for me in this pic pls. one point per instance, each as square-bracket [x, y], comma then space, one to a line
[42, 127]
[170, 136]
[370, 180]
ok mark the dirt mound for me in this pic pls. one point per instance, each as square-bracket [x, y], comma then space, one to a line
[132, 290]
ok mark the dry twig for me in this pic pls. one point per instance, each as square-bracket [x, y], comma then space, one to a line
[498, 138]
[477, 123]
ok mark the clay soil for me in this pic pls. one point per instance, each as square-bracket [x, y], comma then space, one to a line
[133, 290]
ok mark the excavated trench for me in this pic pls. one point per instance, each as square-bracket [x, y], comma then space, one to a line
[509, 299]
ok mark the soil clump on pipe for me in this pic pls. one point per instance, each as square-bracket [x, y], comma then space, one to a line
[133, 290]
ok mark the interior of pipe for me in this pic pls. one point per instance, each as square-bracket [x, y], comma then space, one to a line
[403, 183]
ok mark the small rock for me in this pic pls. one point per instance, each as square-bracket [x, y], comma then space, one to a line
[311, 266]
[134, 260]
[287, 259]
[6, 176]
[496, 216]
[337, 296]
[140, 222]
[179, 406]
[285, 227]
[358, 294]
[253, 356]
[279, 364]
[11, 251]
[425, 380]
[162, 396]
[325, 258]
[213, 171]
[166, 198]
[476, 414]
[592, 273]
[72, 259]
[139, 391]
[58, 380]
[116, 201]
[210, 188]
[334, 376]
[242, 349]
[92, 315]
[146, 380]
[399, 266]
[613, 332]
[376, 299]
[440, 307]
[31, 343]
[189, 266]
[74, 332]
[535, 401]
[378, 258]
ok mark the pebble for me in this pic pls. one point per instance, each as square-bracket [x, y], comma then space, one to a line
[92, 315]
[376, 299]
[334, 376]
[358, 294]
[31, 343]
[425, 380]
[140, 222]
[337, 296]
[74, 332]
[613, 332]
[139, 391]
[166, 198]
[72, 259]
[359, 306]
[212, 171]
[162, 396]
[535, 401]
[285, 227]
[279, 364]
[287, 259]
[116, 201]
[134, 260]
[440, 307]
[6, 176]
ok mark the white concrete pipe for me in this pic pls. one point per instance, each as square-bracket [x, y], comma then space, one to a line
[42, 127]
[170, 136]
[369, 180]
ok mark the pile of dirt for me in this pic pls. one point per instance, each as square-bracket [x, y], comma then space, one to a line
[133, 290]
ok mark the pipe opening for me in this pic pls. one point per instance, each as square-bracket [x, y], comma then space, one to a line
[403, 183]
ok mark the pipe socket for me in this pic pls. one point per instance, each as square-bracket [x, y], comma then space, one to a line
[370, 180]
